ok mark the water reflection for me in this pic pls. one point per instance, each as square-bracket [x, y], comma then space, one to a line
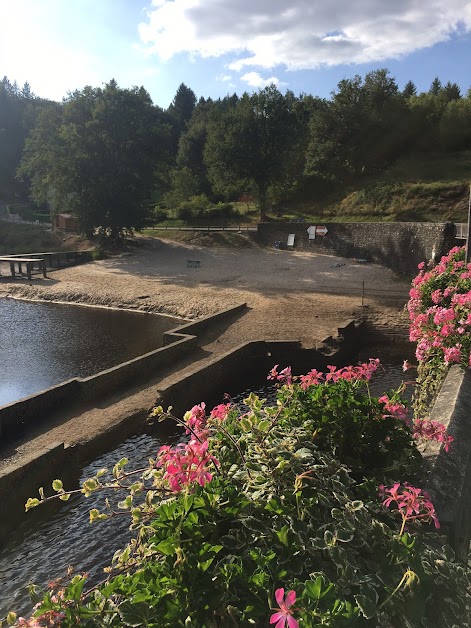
[43, 344]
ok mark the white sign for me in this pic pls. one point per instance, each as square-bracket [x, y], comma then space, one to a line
[321, 230]
[312, 233]
[291, 239]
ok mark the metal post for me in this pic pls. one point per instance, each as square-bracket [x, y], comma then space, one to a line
[362, 293]
[468, 239]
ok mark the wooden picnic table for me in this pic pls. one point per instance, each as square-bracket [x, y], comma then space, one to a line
[53, 258]
[28, 261]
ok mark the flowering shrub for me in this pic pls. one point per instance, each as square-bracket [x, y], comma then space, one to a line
[261, 502]
[440, 322]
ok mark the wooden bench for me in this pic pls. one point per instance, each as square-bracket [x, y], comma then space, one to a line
[193, 263]
[29, 263]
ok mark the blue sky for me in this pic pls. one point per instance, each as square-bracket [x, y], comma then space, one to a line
[217, 47]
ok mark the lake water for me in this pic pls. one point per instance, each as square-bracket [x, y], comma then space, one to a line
[43, 344]
[44, 544]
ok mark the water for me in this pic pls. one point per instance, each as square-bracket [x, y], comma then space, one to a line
[40, 550]
[43, 344]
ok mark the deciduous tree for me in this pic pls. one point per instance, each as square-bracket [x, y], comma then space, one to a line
[95, 156]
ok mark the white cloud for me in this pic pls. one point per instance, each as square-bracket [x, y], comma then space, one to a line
[303, 34]
[224, 78]
[255, 80]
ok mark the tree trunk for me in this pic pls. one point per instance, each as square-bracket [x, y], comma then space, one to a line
[262, 203]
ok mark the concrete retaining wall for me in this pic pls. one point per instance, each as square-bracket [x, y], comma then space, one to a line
[399, 246]
[16, 417]
[449, 480]
[244, 367]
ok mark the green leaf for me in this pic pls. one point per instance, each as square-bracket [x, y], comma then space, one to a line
[167, 546]
[57, 485]
[283, 535]
[134, 615]
[31, 503]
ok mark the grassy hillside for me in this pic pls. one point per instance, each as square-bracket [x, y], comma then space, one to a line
[418, 188]
[17, 238]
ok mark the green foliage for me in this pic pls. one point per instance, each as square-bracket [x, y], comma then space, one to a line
[94, 156]
[251, 144]
[278, 510]
[17, 238]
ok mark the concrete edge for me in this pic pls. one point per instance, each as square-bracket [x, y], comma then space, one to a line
[449, 479]
[15, 416]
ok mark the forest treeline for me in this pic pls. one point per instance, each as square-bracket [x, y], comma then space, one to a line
[110, 156]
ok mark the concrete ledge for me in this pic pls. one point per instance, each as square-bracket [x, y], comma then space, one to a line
[17, 416]
[18, 482]
[237, 370]
[449, 479]
[201, 325]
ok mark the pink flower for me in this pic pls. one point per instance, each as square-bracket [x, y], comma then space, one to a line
[186, 464]
[221, 411]
[313, 378]
[413, 504]
[421, 266]
[286, 376]
[406, 365]
[283, 617]
[432, 430]
[452, 354]
[196, 419]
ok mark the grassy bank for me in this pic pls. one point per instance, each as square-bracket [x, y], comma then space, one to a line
[18, 238]
[433, 188]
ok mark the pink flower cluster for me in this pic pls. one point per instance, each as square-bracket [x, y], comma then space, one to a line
[196, 418]
[363, 372]
[284, 377]
[186, 464]
[412, 503]
[440, 317]
[394, 409]
[432, 430]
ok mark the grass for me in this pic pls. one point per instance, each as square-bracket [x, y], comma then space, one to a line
[432, 188]
[20, 238]
[204, 238]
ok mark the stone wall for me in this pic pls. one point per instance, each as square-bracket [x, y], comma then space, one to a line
[449, 480]
[18, 416]
[399, 246]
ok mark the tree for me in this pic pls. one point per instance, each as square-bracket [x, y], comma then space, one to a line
[452, 91]
[435, 87]
[182, 105]
[361, 130]
[94, 156]
[248, 145]
[409, 90]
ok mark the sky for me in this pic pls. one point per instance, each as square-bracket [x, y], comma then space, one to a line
[218, 47]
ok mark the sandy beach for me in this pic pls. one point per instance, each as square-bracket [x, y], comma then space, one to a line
[291, 295]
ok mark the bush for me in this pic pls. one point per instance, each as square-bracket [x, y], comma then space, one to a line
[257, 502]
[196, 207]
[223, 210]
[440, 313]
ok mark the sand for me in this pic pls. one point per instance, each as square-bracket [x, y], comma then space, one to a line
[291, 295]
